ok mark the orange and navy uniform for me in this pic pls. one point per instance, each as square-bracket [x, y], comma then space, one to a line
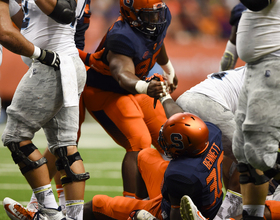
[82, 26]
[129, 119]
[199, 177]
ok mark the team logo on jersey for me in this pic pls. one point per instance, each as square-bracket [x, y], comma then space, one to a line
[145, 55]
[128, 3]
[155, 46]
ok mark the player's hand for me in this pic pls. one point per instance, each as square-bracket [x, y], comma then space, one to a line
[141, 215]
[157, 86]
[174, 85]
[49, 58]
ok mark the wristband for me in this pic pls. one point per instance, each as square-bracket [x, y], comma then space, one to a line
[167, 67]
[168, 72]
[164, 98]
[36, 53]
[142, 87]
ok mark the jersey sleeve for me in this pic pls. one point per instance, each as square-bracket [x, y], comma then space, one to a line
[82, 26]
[236, 13]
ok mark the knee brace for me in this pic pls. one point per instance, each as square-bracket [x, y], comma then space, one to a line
[275, 170]
[253, 176]
[64, 162]
[20, 154]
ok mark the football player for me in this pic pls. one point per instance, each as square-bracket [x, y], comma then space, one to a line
[195, 169]
[116, 93]
[44, 100]
[256, 138]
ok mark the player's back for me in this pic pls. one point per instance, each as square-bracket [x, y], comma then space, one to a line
[199, 177]
[223, 87]
[46, 33]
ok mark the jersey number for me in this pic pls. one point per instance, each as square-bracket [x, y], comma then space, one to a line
[143, 67]
[214, 180]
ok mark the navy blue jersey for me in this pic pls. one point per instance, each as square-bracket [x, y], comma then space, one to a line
[199, 177]
[82, 26]
[236, 13]
[128, 41]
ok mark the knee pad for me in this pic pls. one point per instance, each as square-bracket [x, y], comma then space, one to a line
[252, 177]
[20, 154]
[64, 162]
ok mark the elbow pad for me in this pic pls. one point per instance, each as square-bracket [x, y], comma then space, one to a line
[256, 5]
[64, 12]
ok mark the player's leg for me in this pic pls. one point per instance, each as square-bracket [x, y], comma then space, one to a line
[61, 133]
[25, 118]
[153, 117]
[151, 167]
[105, 207]
[122, 118]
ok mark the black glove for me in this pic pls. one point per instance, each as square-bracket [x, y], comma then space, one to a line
[49, 58]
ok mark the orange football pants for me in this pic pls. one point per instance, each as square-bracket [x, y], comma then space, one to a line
[152, 167]
[130, 120]
[274, 207]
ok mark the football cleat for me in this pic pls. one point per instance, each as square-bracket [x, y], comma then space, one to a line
[49, 213]
[188, 210]
[16, 211]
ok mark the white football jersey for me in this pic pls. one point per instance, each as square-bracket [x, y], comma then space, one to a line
[46, 33]
[223, 87]
[258, 33]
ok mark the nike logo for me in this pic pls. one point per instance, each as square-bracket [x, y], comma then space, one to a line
[8, 209]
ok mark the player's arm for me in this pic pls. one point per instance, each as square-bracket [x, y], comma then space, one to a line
[10, 37]
[168, 69]
[175, 208]
[230, 55]
[62, 11]
[13, 40]
[123, 71]
[170, 107]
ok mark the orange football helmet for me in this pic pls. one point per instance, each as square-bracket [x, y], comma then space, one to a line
[147, 16]
[183, 134]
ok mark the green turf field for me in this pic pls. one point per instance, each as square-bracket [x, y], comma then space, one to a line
[102, 158]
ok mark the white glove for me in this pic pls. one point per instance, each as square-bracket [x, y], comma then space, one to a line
[145, 215]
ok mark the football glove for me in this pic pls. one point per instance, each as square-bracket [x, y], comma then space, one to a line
[49, 58]
[160, 78]
[141, 215]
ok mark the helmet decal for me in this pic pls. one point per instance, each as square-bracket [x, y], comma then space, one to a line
[176, 139]
[128, 3]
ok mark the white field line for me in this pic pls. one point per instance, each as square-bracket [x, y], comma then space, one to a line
[92, 136]
[91, 188]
